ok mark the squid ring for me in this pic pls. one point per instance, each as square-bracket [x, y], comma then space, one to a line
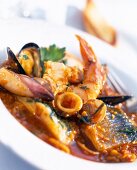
[68, 103]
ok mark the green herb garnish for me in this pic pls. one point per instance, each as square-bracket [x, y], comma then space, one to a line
[85, 119]
[129, 131]
[30, 100]
[62, 122]
[53, 53]
[25, 57]
[84, 87]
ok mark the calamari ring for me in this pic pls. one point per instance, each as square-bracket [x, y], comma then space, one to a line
[68, 103]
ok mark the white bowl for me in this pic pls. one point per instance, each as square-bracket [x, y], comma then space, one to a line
[12, 134]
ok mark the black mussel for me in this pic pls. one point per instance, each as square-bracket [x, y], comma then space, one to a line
[29, 58]
[13, 62]
[30, 45]
[114, 100]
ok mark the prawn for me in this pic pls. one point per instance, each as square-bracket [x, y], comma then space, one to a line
[94, 74]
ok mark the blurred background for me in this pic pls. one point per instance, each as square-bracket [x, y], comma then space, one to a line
[113, 21]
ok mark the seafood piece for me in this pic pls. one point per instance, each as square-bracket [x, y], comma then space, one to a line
[75, 75]
[94, 111]
[94, 75]
[97, 25]
[68, 103]
[59, 128]
[23, 85]
[57, 72]
[114, 130]
[61, 75]
[72, 61]
[29, 58]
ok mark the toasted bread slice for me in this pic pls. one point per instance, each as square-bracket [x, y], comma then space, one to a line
[95, 24]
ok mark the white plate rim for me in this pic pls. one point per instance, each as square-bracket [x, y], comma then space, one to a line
[37, 152]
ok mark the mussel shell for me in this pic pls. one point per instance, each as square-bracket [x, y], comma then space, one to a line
[37, 70]
[114, 100]
[29, 45]
[13, 62]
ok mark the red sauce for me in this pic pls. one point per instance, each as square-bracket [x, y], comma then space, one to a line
[126, 153]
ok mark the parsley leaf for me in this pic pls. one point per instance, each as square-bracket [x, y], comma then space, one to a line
[53, 53]
[25, 57]
[84, 87]
[128, 131]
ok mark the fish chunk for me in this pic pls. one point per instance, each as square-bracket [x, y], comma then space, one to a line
[60, 129]
[114, 130]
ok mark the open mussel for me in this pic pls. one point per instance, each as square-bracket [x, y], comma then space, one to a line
[27, 60]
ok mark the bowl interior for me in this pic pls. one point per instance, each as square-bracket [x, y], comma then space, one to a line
[22, 142]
